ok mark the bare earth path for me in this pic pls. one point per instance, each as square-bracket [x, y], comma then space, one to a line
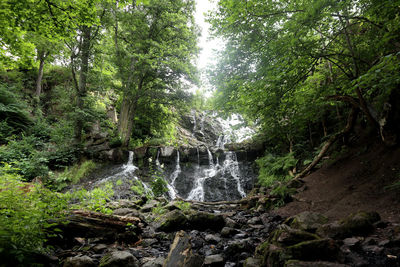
[354, 182]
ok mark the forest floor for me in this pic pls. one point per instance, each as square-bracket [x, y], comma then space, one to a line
[355, 181]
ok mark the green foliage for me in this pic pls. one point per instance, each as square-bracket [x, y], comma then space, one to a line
[94, 200]
[159, 186]
[12, 111]
[275, 168]
[26, 155]
[138, 188]
[72, 175]
[282, 195]
[25, 213]
[183, 205]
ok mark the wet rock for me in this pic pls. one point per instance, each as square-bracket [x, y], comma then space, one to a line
[308, 221]
[227, 231]
[181, 253]
[212, 239]
[296, 263]
[173, 220]
[119, 258]
[361, 224]
[167, 151]
[252, 262]
[99, 248]
[205, 220]
[154, 262]
[214, 261]
[79, 261]
[351, 242]
[125, 211]
[149, 206]
[230, 223]
[148, 242]
[254, 220]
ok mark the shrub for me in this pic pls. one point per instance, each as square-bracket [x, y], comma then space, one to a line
[25, 212]
[72, 175]
[275, 168]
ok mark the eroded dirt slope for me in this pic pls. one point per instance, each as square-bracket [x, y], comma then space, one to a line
[354, 182]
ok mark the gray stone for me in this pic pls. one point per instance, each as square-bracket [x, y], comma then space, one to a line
[254, 220]
[181, 253]
[213, 239]
[173, 220]
[119, 258]
[308, 221]
[148, 242]
[124, 211]
[351, 242]
[167, 151]
[79, 261]
[149, 205]
[154, 262]
[214, 260]
[227, 231]
[99, 248]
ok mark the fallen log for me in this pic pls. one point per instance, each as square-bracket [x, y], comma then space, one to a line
[88, 224]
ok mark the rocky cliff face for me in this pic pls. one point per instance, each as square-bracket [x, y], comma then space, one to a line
[204, 166]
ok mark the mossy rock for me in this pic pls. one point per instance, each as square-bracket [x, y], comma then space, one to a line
[171, 221]
[118, 258]
[307, 221]
[357, 224]
[321, 249]
[288, 236]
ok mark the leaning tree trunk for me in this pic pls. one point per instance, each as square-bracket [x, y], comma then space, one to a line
[349, 127]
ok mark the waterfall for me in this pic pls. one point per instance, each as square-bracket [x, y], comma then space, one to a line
[123, 178]
[171, 189]
[194, 121]
[231, 165]
[202, 124]
[210, 159]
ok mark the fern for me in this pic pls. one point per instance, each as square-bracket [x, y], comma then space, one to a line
[275, 168]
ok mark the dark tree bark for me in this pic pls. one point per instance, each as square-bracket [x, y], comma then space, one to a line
[84, 69]
[42, 57]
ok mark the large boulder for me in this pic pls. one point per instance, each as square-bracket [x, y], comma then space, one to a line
[357, 224]
[171, 221]
[289, 244]
[307, 221]
[181, 254]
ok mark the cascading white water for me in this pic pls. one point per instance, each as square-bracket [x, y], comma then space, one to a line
[171, 185]
[231, 165]
[126, 174]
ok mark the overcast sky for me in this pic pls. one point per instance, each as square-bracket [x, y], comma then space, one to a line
[207, 46]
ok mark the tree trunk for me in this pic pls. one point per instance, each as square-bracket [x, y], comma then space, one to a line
[84, 69]
[42, 58]
[349, 127]
[125, 123]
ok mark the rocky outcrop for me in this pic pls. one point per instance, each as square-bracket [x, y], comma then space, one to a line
[181, 253]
